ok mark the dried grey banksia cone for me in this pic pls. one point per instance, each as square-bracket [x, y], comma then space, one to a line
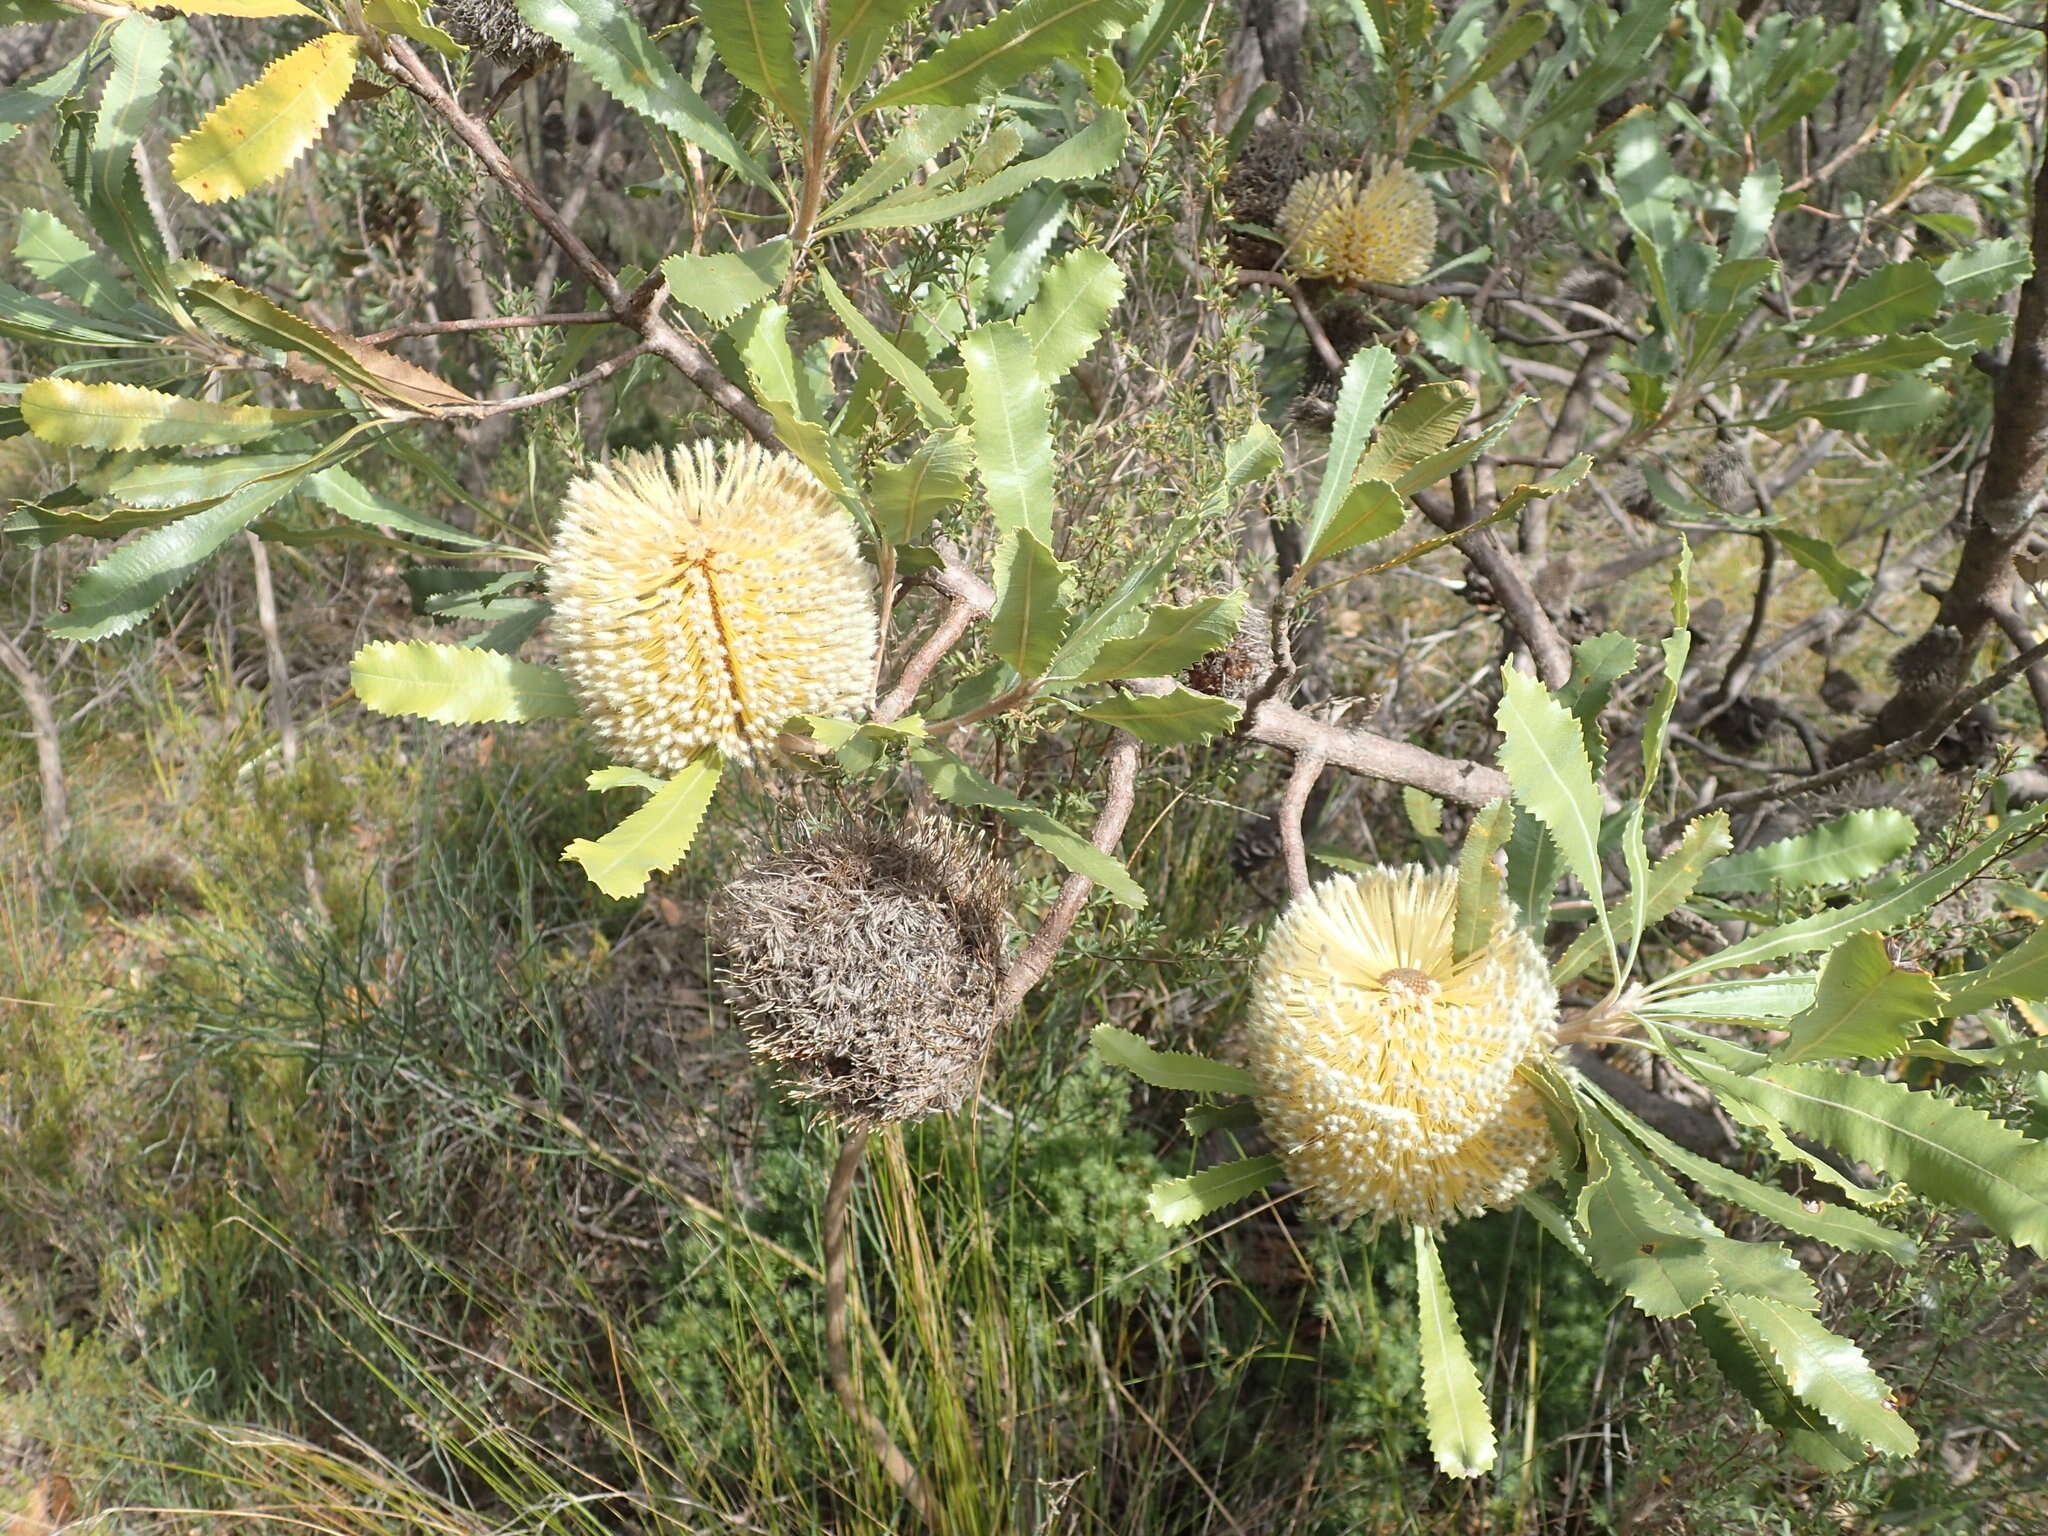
[864, 963]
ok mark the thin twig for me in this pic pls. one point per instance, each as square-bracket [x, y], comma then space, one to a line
[1741, 666]
[1308, 767]
[1318, 337]
[838, 1352]
[1897, 752]
[1503, 572]
[640, 309]
[487, 323]
[582, 381]
[1983, 15]
[1036, 957]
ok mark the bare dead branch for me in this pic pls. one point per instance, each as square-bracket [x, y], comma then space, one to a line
[42, 723]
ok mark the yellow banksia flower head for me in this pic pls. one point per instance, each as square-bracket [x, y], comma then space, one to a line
[703, 598]
[1387, 1070]
[1381, 230]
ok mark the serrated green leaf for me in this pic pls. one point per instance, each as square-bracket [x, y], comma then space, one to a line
[931, 406]
[1176, 1202]
[1888, 300]
[1544, 757]
[1895, 407]
[259, 132]
[1094, 151]
[957, 784]
[1460, 1428]
[2021, 971]
[1670, 882]
[1206, 1118]
[656, 836]
[1021, 38]
[339, 491]
[1985, 271]
[926, 133]
[1880, 914]
[1361, 397]
[1844, 582]
[1837, 1226]
[761, 338]
[1941, 1149]
[906, 497]
[181, 482]
[1482, 899]
[1441, 466]
[1183, 1071]
[1172, 640]
[31, 319]
[723, 285]
[110, 192]
[1031, 616]
[756, 44]
[1423, 425]
[123, 416]
[1845, 850]
[1370, 510]
[1074, 302]
[120, 591]
[1828, 1372]
[1180, 718]
[1639, 1240]
[59, 259]
[608, 41]
[1865, 1005]
[1756, 209]
[1010, 427]
[865, 27]
[1744, 1357]
[24, 104]
[458, 685]
[1759, 999]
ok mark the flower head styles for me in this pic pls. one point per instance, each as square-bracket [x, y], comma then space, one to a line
[701, 600]
[1387, 1070]
[1380, 231]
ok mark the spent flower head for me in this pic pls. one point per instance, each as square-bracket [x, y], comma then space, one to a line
[1380, 230]
[1387, 1070]
[703, 599]
[863, 962]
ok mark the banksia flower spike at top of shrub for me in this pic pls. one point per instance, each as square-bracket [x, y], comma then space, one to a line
[1388, 1070]
[703, 600]
[864, 963]
[1381, 230]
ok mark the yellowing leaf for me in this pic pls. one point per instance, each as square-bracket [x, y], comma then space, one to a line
[118, 416]
[257, 133]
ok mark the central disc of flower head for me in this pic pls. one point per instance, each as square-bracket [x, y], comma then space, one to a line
[1387, 1067]
[1410, 984]
[704, 599]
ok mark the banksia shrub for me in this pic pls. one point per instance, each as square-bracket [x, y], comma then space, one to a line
[1380, 230]
[1387, 1069]
[864, 964]
[704, 599]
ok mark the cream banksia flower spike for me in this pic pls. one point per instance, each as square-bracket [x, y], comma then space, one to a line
[1379, 230]
[1388, 1071]
[703, 600]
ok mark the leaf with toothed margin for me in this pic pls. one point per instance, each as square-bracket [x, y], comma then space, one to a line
[259, 132]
